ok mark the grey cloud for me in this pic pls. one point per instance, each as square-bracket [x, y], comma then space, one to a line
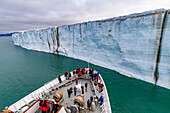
[17, 15]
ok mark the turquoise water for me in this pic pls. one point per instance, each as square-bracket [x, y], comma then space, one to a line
[23, 71]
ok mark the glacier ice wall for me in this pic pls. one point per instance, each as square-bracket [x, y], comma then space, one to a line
[128, 44]
[164, 64]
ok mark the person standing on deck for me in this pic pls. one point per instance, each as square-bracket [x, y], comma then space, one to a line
[79, 69]
[79, 74]
[71, 90]
[91, 99]
[88, 104]
[90, 71]
[74, 72]
[92, 76]
[83, 71]
[59, 79]
[101, 87]
[101, 100]
[44, 106]
[66, 75]
[69, 74]
[75, 90]
[95, 83]
[97, 76]
[69, 94]
[86, 86]
[76, 81]
[82, 89]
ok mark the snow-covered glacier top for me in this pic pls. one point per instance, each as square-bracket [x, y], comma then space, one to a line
[128, 44]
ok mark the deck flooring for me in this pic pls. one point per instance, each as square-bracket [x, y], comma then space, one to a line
[70, 101]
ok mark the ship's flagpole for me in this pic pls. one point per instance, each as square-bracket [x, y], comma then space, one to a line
[88, 64]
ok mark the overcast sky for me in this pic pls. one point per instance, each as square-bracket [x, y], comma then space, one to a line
[17, 15]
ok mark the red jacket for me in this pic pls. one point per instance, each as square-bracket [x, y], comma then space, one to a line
[44, 105]
[80, 73]
[76, 79]
[100, 85]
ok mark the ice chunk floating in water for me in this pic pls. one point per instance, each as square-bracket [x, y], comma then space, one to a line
[136, 45]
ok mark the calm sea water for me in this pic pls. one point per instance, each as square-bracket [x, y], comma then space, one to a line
[23, 71]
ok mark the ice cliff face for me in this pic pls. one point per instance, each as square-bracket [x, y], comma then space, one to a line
[164, 64]
[128, 44]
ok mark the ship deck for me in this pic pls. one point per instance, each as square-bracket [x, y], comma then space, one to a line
[30, 103]
[70, 101]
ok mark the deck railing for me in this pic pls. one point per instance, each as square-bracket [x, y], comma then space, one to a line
[37, 94]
